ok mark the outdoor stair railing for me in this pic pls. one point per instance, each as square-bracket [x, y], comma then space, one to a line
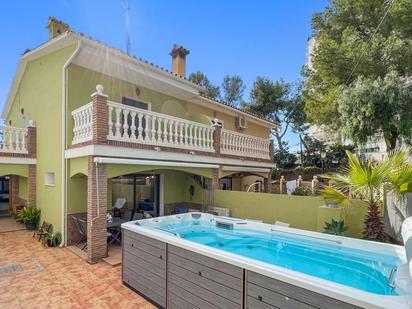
[234, 143]
[135, 125]
[13, 140]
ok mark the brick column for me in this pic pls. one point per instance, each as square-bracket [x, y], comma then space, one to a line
[14, 189]
[31, 140]
[99, 116]
[31, 186]
[96, 211]
[216, 137]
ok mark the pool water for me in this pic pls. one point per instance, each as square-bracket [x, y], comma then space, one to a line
[359, 269]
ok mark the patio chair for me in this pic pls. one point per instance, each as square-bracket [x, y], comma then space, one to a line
[44, 229]
[82, 224]
[138, 216]
[127, 214]
[118, 205]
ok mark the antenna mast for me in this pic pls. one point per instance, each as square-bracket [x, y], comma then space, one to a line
[126, 7]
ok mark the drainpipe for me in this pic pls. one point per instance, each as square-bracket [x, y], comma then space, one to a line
[63, 145]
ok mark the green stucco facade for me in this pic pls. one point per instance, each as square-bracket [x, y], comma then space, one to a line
[39, 96]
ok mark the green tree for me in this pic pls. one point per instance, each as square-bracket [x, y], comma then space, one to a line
[277, 101]
[200, 78]
[355, 39]
[377, 105]
[365, 180]
[233, 88]
[283, 158]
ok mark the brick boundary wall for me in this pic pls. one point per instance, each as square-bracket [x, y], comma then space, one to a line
[96, 224]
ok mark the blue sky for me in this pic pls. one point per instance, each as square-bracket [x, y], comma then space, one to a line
[247, 38]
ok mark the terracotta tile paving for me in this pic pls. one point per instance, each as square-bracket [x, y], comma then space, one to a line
[57, 278]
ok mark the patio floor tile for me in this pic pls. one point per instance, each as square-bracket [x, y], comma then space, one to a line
[57, 278]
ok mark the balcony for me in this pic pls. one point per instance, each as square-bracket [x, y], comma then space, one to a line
[126, 126]
[18, 141]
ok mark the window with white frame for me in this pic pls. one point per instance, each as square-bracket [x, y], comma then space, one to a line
[50, 179]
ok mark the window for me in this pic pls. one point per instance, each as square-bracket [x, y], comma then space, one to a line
[225, 183]
[50, 179]
[135, 103]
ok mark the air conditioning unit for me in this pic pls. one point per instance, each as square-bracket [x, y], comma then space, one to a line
[241, 122]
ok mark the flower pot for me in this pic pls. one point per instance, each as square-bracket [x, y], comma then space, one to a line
[31, 226]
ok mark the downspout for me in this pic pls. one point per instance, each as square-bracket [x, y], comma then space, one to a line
[63, 146]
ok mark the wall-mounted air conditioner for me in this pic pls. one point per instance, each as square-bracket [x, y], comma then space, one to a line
[241, 122]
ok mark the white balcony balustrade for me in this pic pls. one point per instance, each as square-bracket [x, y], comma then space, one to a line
[82, 130]
[135, 125]
[13, 140]
[239, 144]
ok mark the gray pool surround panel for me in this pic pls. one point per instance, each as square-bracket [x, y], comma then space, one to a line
[173, 277]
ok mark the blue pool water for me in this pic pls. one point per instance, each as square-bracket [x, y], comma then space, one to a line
[355, 268]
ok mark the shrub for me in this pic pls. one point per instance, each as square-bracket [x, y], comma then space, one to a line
[335, 227]
[301, 191]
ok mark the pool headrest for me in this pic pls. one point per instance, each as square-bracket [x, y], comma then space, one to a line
[407, 240]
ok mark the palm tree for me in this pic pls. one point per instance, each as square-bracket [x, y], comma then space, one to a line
[366, 180]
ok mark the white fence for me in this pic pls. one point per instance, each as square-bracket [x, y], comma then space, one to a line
[82, 130]
[14, 140]
[135, 125]
[234, 143]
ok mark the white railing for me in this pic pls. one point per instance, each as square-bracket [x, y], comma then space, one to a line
[82, 130]
[234, 143]
[135, 125]
[13, 139]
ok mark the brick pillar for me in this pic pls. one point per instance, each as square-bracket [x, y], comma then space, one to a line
[31, 186]
[99, 116]
[31, 140]
[96, 211]
[14, 189]
[216, 137]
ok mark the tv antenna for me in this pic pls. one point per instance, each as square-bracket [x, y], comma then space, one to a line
[126, 7]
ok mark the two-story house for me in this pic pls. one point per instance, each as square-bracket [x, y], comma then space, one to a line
[87, 124]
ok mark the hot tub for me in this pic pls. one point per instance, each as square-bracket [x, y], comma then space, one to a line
[206, 261]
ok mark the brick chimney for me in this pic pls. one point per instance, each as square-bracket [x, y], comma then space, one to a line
[179, 54]
[56, 27]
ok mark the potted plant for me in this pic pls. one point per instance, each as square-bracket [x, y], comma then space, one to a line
[52, 239]
[29, 216]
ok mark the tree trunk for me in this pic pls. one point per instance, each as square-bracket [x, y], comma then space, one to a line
[279, 140]
[373, 229]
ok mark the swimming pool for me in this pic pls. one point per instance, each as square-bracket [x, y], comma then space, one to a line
[355, 271]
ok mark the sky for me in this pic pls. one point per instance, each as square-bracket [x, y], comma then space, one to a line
[247, 38]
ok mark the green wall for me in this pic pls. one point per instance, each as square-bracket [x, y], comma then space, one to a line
[303, 212]
[23, 187]
[39, 93]
[14, 169]
[82, 83]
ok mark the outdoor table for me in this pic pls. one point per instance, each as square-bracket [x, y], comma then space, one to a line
[114, 227]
